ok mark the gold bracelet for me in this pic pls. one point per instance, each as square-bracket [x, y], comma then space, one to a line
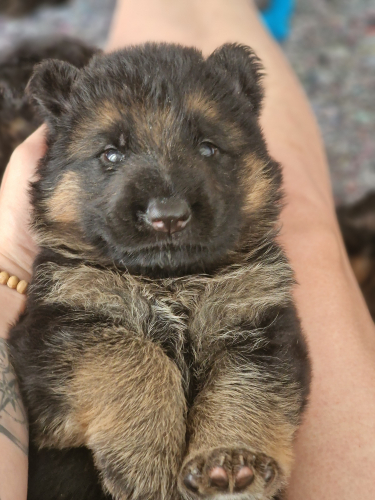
[13, 282]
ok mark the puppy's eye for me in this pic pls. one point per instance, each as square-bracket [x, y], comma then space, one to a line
[113, 155]
[207, 149]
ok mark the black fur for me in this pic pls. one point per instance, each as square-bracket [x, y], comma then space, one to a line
[75, 476]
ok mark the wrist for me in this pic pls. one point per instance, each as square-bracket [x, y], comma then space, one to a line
[21, 268]
[13, 471]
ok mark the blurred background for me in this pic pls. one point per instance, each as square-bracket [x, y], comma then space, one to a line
[331, 46]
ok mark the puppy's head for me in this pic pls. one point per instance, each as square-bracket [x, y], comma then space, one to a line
[156, 161]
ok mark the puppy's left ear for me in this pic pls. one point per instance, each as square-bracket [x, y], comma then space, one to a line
[241, 69]
[50, 87]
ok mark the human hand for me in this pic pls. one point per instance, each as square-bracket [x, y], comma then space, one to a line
[17, 247]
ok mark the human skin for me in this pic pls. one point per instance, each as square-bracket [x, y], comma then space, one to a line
[335, 451]
[17, 251]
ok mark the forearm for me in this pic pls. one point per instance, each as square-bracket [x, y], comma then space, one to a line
[13, 426]
[17, 252]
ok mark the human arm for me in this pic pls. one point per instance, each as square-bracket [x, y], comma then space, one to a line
[17, 251]
[13, 426]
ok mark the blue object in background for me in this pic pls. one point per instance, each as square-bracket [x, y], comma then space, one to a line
[277, 18]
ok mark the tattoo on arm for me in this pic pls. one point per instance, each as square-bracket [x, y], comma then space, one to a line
[12, 413]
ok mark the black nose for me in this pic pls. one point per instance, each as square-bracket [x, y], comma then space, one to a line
[168, 215]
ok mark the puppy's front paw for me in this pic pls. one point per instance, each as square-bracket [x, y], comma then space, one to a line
[230, 473]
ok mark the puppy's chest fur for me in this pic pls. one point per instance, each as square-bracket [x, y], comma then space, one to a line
[205, 311]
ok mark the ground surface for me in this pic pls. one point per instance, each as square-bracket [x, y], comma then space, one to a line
[331, 47]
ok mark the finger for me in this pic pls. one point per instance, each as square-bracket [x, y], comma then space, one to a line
[17, 247]
[23, 162]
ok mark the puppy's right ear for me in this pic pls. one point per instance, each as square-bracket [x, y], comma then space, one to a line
[50, 87]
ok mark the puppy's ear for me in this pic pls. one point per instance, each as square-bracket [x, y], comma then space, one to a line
[241, 69]
[50, 87]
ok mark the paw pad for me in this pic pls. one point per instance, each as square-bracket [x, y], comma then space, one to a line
[224, 471]
[243, 478]
[219, 478]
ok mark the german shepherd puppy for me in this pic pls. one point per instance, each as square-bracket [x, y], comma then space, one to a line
[160, 356]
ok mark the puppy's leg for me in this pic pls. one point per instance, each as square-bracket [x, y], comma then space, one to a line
[114, 392]
[243, 421]
[240, 434]
[130, 405]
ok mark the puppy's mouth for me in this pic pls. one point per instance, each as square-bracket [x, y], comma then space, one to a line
[167, 259]
[168, 256]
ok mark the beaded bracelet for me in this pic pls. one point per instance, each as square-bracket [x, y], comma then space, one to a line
[13, 282]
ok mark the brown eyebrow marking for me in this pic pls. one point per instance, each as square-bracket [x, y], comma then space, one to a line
[99, 119]
[198, 103]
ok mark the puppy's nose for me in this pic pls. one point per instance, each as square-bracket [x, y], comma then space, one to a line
[168, 215]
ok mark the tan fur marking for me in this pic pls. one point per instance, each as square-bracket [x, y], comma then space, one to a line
[63, 208]
[100, 119]
[257, 184]
[61, 238]
[107, 114]
[63, 204]
[199, 103]
[239, 291]
[216, 305]
[128, 400]
[258, 421]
